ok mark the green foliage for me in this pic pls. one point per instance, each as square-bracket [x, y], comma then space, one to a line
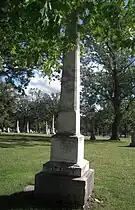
[108, 76]
[128, 122]
[37, 108]
[114, 21]
[34, 30]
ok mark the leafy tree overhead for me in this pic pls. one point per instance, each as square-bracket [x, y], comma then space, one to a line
[110, 42]
[33, 35]
[33, 31]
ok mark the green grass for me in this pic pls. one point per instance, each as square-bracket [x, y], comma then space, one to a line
[22, 156]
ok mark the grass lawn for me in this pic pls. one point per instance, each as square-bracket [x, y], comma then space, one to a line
[22, 156]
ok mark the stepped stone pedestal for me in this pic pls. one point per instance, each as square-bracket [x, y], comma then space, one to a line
[66, 178]
[65, 190]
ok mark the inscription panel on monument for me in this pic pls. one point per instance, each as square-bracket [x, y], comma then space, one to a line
[67, 150]
[60, 168]
[64, 168]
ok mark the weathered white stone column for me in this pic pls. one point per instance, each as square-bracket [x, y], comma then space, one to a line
[46, 127]
[71, 180]
[17, 127]
[28, 127]
[53, 128]
[69, 116]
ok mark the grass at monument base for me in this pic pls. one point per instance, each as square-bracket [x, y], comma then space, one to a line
[22, 156]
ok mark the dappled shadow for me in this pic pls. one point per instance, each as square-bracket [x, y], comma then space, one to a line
[21, 143]
[126, 146]
[24, 137]
[13, 140]
[101, 141]
[28, 200]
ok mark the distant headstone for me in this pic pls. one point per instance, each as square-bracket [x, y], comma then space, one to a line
[17, 127]
[28, 127]
[53, 128]
[132, 144]
[47, 130]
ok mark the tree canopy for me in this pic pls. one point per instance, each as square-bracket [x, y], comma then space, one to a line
[33, 31]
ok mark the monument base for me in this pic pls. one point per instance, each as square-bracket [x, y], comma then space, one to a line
[64, 190]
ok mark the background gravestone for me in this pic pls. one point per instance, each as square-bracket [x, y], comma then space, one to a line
[132, 144]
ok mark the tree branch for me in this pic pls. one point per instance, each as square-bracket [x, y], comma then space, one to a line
[129, 65]
[128, 105]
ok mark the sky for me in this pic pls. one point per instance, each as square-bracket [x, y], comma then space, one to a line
[44, 84]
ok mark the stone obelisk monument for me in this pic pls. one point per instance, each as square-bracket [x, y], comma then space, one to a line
[66, 178]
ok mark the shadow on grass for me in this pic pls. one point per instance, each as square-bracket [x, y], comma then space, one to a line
[25, 137]
[27, 201]
[18, 144]
[126, 146]
[11, 141]
[14, 140]
[100, 141]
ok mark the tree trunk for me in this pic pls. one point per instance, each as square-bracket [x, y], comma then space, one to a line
[86, 126]
[103, 132]
[92, 133]
[115, 101]
[115, 125]
[36, 126]
[114, 135]
[92, 137]
[125, 131]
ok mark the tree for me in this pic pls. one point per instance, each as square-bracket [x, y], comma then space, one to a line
[33, 31]
[112, 28]
[7, 105]
[88, 112]
[127, 123]
[45, 105]
[115, 79]
[15, 73]
[36, 108]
